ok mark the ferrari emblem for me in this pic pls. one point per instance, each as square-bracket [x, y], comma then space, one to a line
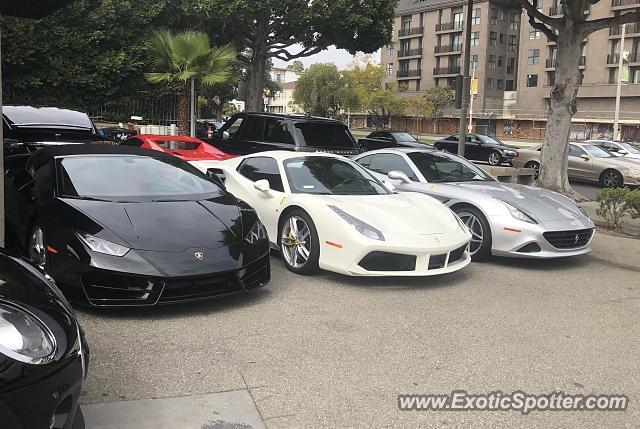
[199, 256]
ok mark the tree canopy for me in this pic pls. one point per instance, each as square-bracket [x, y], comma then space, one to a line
[323, 91]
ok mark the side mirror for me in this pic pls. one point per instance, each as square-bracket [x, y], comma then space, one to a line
[389, 185]
[217, 176]
[398, 175]
[262, 185]
[226, 136]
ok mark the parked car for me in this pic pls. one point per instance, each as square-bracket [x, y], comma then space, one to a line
[589, 163]
[184, 147]
[247, 133]
[479, 147]
[384, 139]
[504, 219]
[621, 149]
[43, 354]
[326, 211]
[119, 225]
[116, 134]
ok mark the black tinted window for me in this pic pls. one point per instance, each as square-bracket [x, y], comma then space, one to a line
[234, 125]
[258, 168]
[253, 128]
[276, 131]
[132, 142]
[325, 135]
[384, 163]
[575, 151]
[365, 161]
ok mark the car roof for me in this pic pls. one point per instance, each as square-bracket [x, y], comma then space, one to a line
[45, 116]
[398, 150]
[294, 116]
[282, 155]
[167, 137]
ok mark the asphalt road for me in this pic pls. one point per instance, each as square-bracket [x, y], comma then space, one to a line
[587, 190]
[334, 351]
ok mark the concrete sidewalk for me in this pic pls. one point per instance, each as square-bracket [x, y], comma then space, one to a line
[629, 226]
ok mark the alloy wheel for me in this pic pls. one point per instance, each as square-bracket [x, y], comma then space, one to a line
[37, 249]
[536, 170]
[494, 158]
[476, 230]
[610, 179]
[295, 241]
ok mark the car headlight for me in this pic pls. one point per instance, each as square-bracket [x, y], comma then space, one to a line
[23, 337]
[101, 245]
[256, 233]
[519, 214]
[360, 226]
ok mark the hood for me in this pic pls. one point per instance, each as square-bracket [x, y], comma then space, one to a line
[168, 226]
[540, 203]
[402, 213]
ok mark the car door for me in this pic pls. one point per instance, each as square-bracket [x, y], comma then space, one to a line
[579, 164]
[267, 204]
[383, 163]
[251, 136]
[277, 135]
[473, 148]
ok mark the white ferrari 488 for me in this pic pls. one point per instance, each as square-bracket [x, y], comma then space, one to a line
[326, 211]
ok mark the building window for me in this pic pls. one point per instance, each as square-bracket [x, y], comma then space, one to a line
[492, 62]
[503, 15]
[534, 33]
[474, 61]
[390, 49]
[494, 16]
[514, 19]
[503, 38]
[533, 56]
[532, 80]
[475, 38]
[551, 78]
[475, 17]
[493, 38]
[457, 20]
[513, 43]
[500, 84]
[508, 85]
[499, 60]
[389, 69]
[451, 82]
[490, 83]
[613, 76]
[406, 22]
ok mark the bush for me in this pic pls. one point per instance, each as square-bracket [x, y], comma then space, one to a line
[613, 204]
[633, 203]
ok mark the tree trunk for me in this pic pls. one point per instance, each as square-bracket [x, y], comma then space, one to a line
[259, 55]
[562, 106]
[183, 109]
[435, 125]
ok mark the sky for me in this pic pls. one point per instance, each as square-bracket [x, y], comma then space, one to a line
[340, 57]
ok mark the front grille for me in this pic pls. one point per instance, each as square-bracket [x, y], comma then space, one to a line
[385, 261]
[569, 239]
[103, 288]
[457, 254]
[256, 274]
[197, 288]
[437, 261]
[530, 248]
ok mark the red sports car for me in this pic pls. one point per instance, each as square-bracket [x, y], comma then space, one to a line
[184, 147]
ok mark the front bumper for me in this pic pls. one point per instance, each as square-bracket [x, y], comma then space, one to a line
[517, 239]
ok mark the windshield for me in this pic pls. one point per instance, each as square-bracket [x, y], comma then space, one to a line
[330, 176]
[443, 167]
[404, 137]
[132, 177]
[596, 151]
[490, 140]
[325, 134]
[629, 148]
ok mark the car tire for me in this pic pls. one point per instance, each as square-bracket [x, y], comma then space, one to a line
[295, 245]
[536, 168]
[611, 179]
[36, 247]
[494, 158]
[480, 230]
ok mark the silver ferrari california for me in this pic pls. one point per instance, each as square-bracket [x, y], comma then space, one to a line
[504, 219]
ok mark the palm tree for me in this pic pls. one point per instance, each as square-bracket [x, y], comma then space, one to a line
[180, 58]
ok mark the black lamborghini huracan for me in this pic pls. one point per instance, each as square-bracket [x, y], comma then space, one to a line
[120, 226]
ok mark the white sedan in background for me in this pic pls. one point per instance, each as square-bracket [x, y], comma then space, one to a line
[325, 211]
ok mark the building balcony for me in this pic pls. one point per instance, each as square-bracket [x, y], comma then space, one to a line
[445, 71]
[630, 30]
[557, 10]
[404, 74]
[623, 4]
[450, 26]
[613, 60]
[409, 32]
[416, 52]
[449, 49]
[553, 64]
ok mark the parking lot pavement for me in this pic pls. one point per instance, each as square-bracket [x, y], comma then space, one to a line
[335, 351]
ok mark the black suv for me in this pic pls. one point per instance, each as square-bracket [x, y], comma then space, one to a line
[246, 133]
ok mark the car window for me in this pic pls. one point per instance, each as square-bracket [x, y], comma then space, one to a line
[365, 161]
[262, 167]
[385, 162]
[253, 128]
[444, 167]
[276, 131]
[452, 138]
[629, 148]
[575, 151]
[490, 140]
[234, 125]
[404, 137]
[325, 135]
[132, 142]
[597, 152]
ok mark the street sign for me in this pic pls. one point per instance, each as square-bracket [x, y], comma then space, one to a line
[474, 87]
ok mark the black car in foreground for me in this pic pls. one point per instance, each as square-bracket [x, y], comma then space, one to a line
[385, 139]
[120, 226]
[247, 133]
[43, 354]
[479, 147]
